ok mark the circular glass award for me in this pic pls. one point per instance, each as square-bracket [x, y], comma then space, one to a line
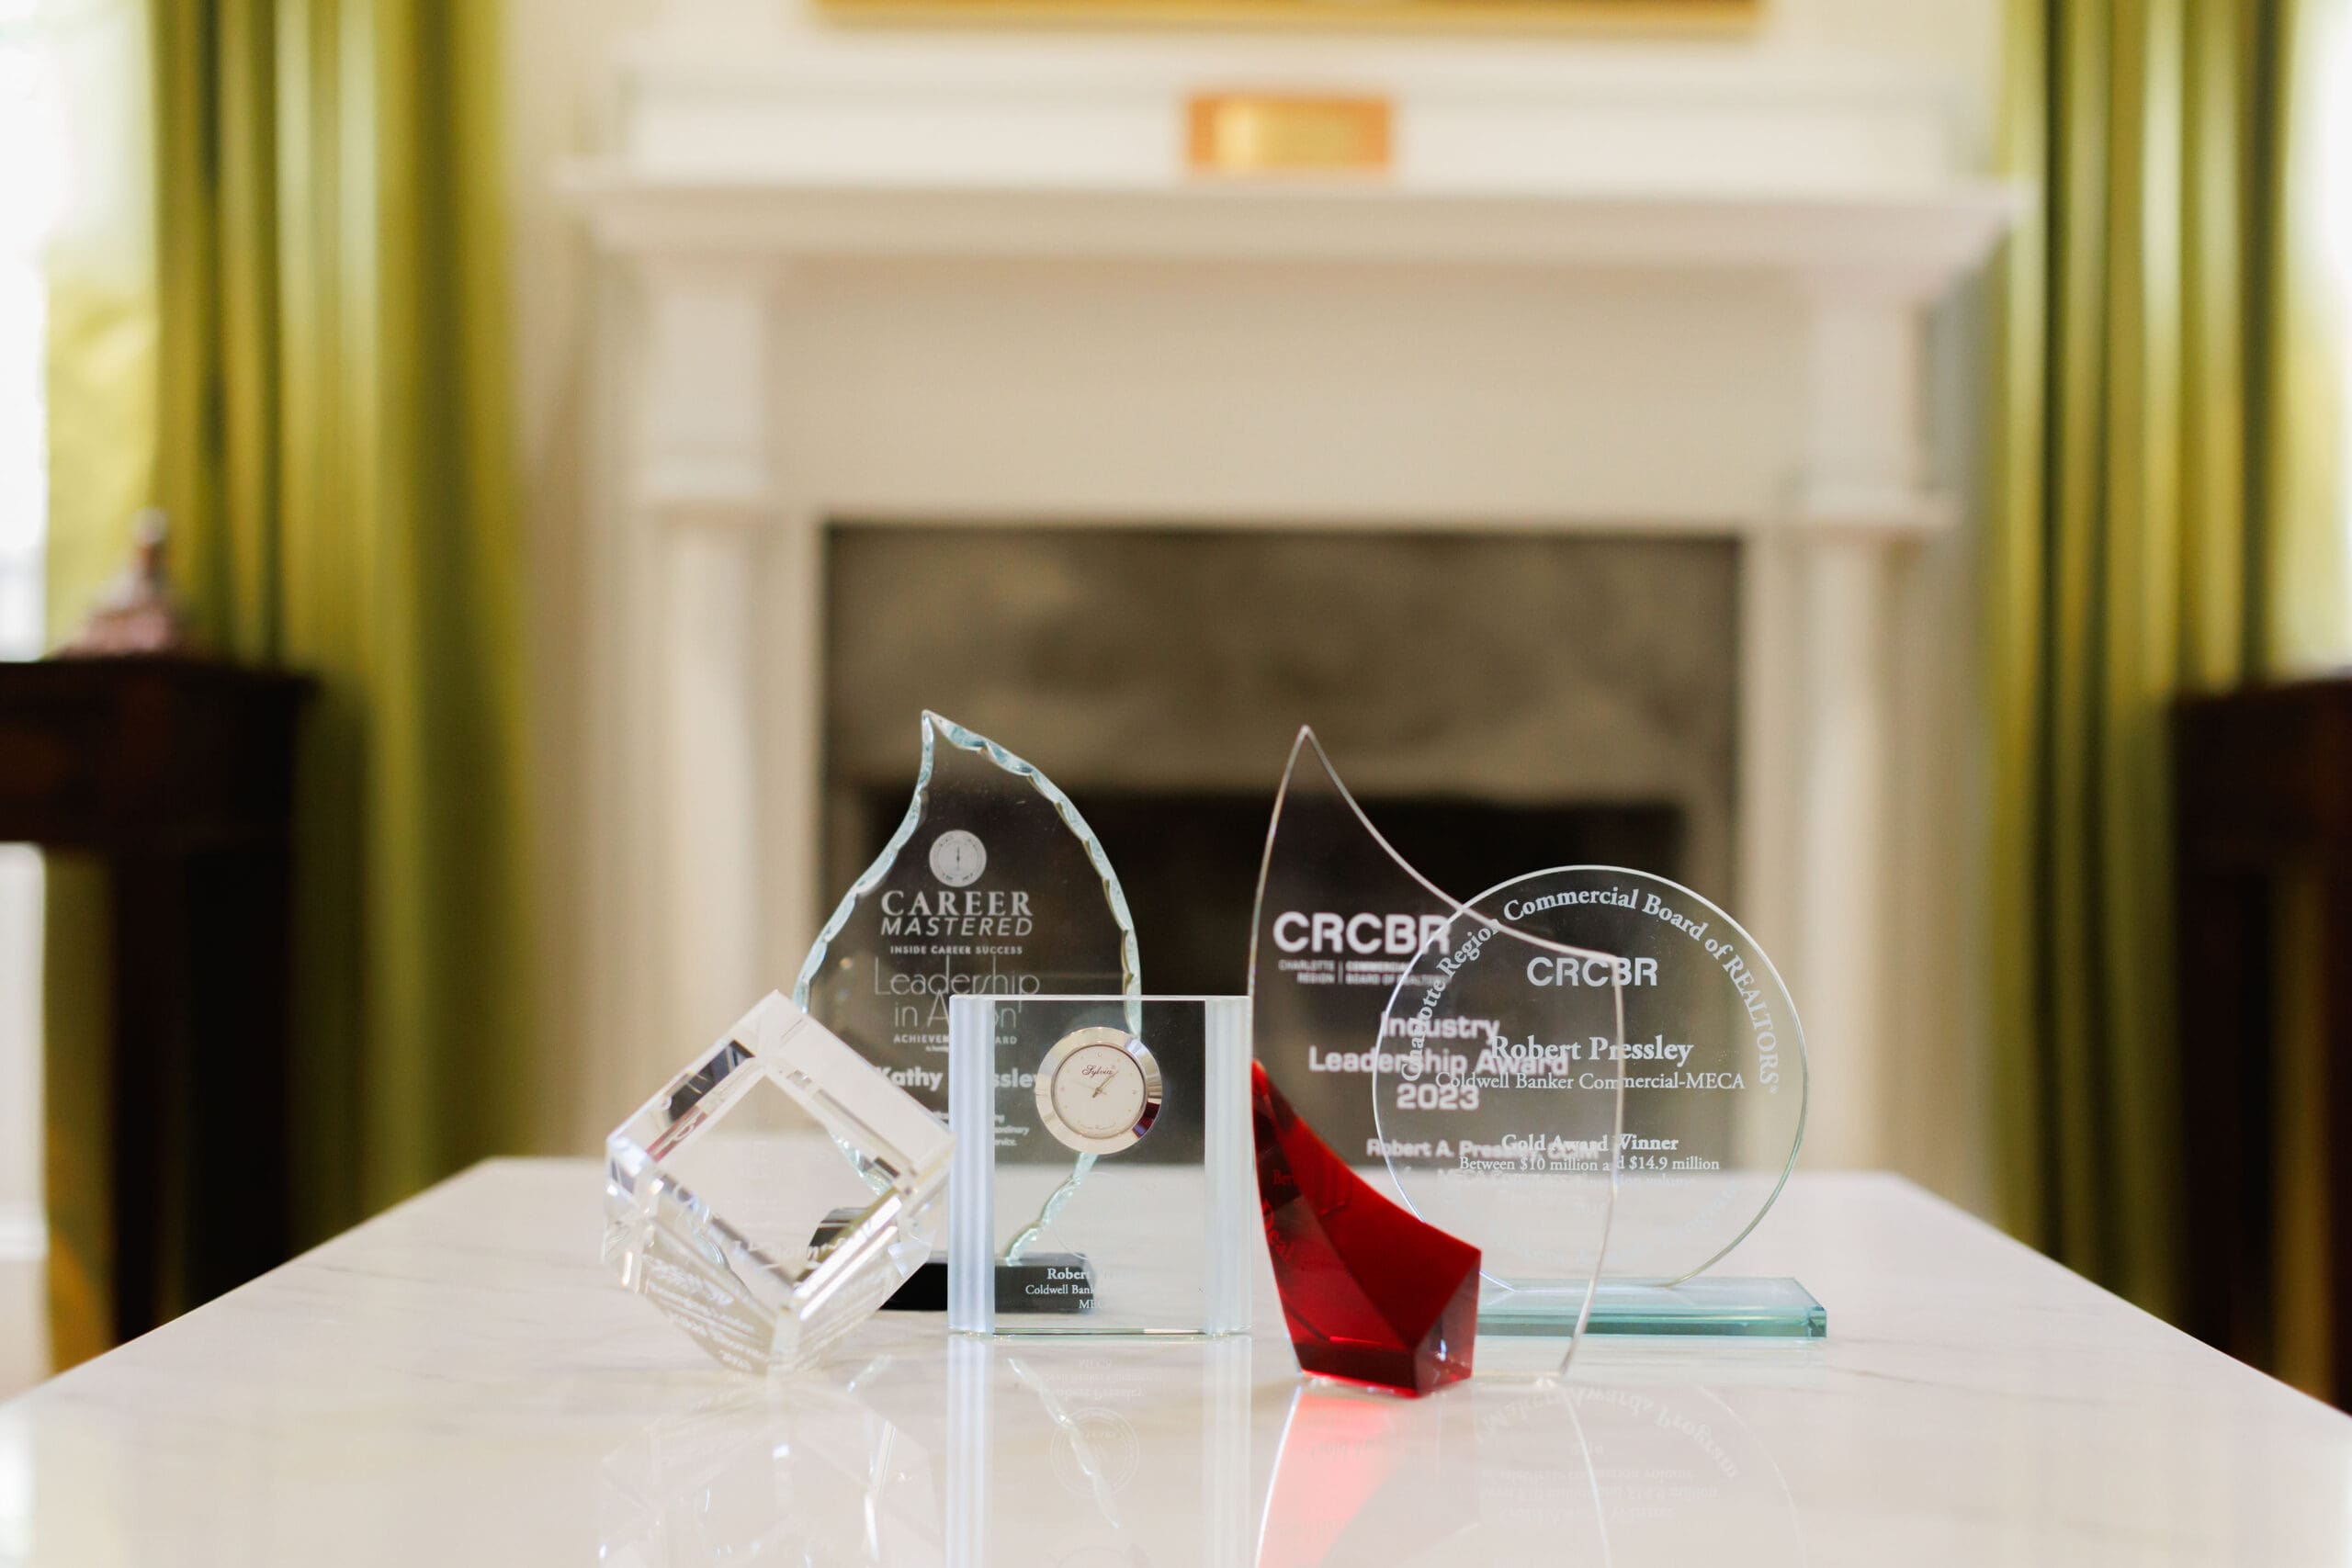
[1655, 993]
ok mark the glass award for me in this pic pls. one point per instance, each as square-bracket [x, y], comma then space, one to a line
[1712, 1060]
[1104, 1185]
[1393, 1030]
[715, 1187]
[993, 884]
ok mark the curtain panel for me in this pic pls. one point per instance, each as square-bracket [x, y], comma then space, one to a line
[316, 337]
[2167, 518]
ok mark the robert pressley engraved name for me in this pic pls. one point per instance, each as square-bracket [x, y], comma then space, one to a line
[1504, 1062]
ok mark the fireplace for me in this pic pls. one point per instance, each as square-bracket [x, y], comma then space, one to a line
[1500, 703]
[1188, 861]
[937, 381]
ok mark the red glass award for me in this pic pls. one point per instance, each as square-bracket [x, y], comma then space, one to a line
[1369, 1294]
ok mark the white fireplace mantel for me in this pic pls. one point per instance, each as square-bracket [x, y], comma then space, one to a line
[1907, 244]
[882, 276]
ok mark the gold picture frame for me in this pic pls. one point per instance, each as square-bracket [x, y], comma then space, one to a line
[1432, 16]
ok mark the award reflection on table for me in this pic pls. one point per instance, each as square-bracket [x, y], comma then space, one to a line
[1022, 1454]
[1535, 1473]
[842, 1473]
[1175, 1455]
[1063, 1453]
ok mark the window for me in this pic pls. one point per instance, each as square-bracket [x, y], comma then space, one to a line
[31, 132]
[28, 190]
[2331, 178]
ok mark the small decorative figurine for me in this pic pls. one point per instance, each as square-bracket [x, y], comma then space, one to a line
[137, 613]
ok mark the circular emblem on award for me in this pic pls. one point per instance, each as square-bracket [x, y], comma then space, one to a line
[1099, 1090]
[957, 858]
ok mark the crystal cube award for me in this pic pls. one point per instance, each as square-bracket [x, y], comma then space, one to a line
[1514, 1114]
[1101, 1184]
[714, 1188]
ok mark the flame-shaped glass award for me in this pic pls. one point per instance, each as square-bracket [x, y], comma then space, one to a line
[729, 1202]
[1428, 1114]
[991, 887]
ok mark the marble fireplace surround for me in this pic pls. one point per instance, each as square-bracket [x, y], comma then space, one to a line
[884, 276]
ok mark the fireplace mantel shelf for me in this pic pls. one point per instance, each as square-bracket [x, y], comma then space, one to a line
[1916, 241]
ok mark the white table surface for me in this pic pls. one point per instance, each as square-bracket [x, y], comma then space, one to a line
[456, 1382]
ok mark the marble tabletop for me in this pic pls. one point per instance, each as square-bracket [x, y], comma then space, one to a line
[457, 1382]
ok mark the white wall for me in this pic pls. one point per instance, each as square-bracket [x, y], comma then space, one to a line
[561, 107]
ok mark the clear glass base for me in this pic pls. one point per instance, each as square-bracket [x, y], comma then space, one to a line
[1725, 1307]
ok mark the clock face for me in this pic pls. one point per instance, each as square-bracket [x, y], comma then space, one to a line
[1099, 1090]
[957, 858]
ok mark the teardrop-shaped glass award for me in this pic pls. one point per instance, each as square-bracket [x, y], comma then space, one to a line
[1512, 1091]
[993, 885]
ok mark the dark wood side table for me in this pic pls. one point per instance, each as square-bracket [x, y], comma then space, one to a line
[2262, 790]
[178, 775]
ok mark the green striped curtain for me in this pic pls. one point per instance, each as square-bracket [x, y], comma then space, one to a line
[327, 378]
[2166, 519]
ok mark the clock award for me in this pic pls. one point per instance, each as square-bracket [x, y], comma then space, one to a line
[1106, 1134]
